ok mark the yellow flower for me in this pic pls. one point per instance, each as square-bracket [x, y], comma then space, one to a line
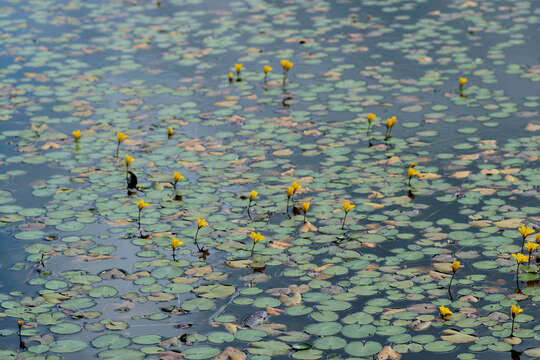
[267, 69]
[390, 122]
[531, 246]
[296, 186]
[256, 237]
[520, 257]
[348, 206]
[201, 223]
[538, 238]
[231, 75]
[455, 265]
[253, 195]
[515, 310]
[129, 160]
[141, 204]
[412, 165]
[20, 323]
[238, 68]
[525, 231]
[444, 311]
[462, 81]
[305, 207]
[176, 243]
[77, 134]
[290, 191]
[177, 176]
[371, 117]
[170, 131]
[419, 175]
[286, 64]
[121, 137]
[411, 172]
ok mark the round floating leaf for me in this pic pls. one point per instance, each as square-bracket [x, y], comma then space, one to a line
[324, 328]
[146, 339]
[112, 341]
[67, 346]
[66, 328]
[357, 348]
[200, 352]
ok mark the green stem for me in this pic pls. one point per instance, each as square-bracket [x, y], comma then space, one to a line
[252, 248]
[174, 254]
[195, 239]
[117, 149]
[287, 209]
[248, 209]
[512, 331]
[304, 217]
[522, 243]
[343, 222]
[450, 285]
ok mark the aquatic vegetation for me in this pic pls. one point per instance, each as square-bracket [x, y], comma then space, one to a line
[238, 69]
[266, 70]
[347, 206]
[305, 208]
[200, 224]
[455, 266]
[445, 312]
[370, 117]
[462, 82]
[121, 137]
[331, 287]
[524, 231]
[390, 122]
[531, 247]
[252, 196]
[175, 242]
[256, 237]
[141, 204]
[76, 135]
[128, 160]
[230, 76]
[514, 311]
[286, 65]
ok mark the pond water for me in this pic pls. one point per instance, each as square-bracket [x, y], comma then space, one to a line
[89, 281]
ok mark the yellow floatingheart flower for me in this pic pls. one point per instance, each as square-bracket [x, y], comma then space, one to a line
[515, 310]
[412, 165]
[455, 265]
[462, 81]
[305, 207]
[20, 323]
[256, 237]
[170, 131]
[390, 122]
[296, 186]
[267, 69]
[520, 257]
[348, 206]
[177, 176]
[238, 68]
[128, 160]
[290, 191]
[411, 172]
[531, 246]
[231, 76]
[525, 231]
[286, 64]
[76, 134]
[201, 223]
[121, 137]
[444, 311]
[176, 243]
[141, 204]
[371, 117]
[253, 195]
